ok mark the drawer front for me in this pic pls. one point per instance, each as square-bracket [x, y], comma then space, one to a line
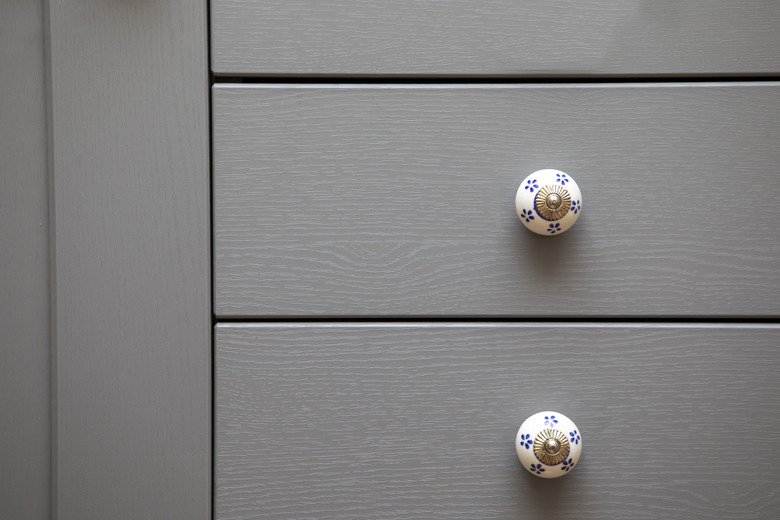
[410, 421]
[399, 200]
[495, 37]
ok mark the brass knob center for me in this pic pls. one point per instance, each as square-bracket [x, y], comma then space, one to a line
[552, 446]
[553, 201]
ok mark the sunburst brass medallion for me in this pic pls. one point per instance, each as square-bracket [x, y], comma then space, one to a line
[552, 202]
[551, 447]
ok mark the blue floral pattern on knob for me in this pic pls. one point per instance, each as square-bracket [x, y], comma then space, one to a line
[549, 196]
[546, 441]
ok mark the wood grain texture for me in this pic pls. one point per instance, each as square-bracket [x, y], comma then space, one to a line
[494, 37]
[399, 200]
[24, 267]
[129, 134]
[407, 421]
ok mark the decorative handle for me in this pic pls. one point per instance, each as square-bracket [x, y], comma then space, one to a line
[548, 202]
[548, 444]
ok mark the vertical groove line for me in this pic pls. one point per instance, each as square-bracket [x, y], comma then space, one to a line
[212, 336]
[51, 194]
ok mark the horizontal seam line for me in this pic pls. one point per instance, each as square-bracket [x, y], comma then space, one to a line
[396, 79]
[498, 319]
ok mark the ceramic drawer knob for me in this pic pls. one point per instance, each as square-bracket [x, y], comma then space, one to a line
[548, 202]
[548, 444]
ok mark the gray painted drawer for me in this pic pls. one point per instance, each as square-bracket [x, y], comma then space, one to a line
[417, 421]
[399, 200]
[495, 37]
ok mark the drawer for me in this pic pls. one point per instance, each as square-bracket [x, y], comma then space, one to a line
[405, 421]
[373, 200]
[494, 37]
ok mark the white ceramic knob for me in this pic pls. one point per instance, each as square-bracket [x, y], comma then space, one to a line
[548, 202]
[548, 444]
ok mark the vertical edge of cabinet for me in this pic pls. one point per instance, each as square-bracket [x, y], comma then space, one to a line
[24, 286]
[131, 308]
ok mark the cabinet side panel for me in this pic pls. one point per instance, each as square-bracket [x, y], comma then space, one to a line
[24, 289]
[129, 134]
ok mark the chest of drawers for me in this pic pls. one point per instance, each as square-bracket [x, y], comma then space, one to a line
[381, 323]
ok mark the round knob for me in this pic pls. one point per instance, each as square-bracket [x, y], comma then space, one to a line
[548, 202]
[548, 444]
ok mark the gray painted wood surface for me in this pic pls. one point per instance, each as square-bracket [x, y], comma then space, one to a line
[495, 37]
[406, 421]
[129, 137]
[24, 267]
[399, 200]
